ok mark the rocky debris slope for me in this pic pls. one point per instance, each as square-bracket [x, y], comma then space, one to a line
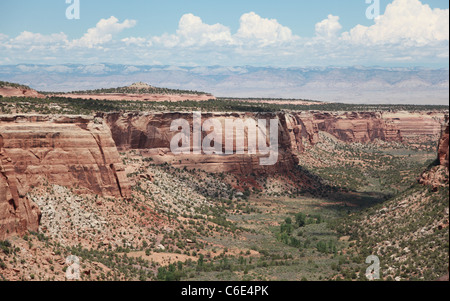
[410, 232]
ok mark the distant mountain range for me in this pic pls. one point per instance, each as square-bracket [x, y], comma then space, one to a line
[332, 84]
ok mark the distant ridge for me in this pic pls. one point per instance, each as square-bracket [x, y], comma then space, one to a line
[8, 89]
[140, 85]
[352, 85]
[13, 85]
[141, 88]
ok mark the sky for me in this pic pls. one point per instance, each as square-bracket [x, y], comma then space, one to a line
[283, 33]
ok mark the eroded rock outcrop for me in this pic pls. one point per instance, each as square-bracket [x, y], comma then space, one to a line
[438, 175]
[76, 152]
[150, 132]
[17, 213]
[81, 152]
[366, 127]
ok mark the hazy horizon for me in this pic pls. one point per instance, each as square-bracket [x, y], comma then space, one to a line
[356, 84]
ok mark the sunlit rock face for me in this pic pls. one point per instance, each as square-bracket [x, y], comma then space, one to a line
[81, 152]
[150, 132]
[76, 152]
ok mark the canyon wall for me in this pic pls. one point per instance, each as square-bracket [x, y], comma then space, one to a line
[366, 127]
[438, 176]
[77, 152]
[151, 133]
[18, 213]
[81, 152]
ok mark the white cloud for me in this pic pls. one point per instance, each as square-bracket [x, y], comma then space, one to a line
[103, 32]
[138, 42]
[37, 39]
[329, 27]
[193, 32]
[254, 28]
[404, 21]
[409, 31]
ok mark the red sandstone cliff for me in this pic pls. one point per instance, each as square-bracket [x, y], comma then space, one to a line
[76, 152]
[370, 126]
[439, 175]
[82, 152]
[17, 213]
[150, 132]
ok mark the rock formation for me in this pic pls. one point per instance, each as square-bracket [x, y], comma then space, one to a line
[369, 126]
[17, 213]
[150, 132]
[81, 152]
[77, 152]
[439, 175]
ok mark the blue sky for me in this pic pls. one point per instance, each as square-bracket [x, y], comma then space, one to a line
[246, 32]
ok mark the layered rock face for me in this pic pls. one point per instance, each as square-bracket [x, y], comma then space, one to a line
[151, 133]
[17, 213]
[76, 152]
[151, 130]
[369, 126]
[82, 152]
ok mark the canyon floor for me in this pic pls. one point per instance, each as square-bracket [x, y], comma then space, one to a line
[342, 200]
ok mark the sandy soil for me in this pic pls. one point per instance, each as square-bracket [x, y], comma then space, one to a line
[162, 258]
